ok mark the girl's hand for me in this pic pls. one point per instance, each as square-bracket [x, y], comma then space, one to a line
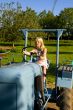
[24, 52]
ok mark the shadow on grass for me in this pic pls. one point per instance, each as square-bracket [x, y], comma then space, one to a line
[63, 44]
[52, 69]
[60, 52]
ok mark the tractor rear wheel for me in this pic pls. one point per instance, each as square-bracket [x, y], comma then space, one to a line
[66, 99]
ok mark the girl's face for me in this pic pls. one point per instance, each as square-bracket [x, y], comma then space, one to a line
[38, 44]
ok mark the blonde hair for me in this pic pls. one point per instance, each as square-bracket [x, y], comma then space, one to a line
[41, 41]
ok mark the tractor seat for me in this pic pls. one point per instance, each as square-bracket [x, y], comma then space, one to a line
[67, 68]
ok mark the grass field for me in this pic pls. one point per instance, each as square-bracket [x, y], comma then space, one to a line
[66, 53]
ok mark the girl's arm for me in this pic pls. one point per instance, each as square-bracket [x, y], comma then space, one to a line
[29, 53]
[26, 53]
[34, 51]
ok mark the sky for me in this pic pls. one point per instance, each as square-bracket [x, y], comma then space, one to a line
[40, 5]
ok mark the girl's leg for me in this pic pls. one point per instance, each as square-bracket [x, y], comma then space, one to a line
[44, 77]
[44, 72]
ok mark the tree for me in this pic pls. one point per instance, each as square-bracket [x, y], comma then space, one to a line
[66, 20]
[30, 21]
[8, 14]
[47, 21]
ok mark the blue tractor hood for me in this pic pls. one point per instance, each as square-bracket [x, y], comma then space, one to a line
[17, 86]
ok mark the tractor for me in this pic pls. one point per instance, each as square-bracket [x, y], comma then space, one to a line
[22, 87]
[62, 93]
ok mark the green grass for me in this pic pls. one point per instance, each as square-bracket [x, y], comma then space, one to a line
[66, 53]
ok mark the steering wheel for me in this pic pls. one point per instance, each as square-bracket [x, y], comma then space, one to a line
[32, 58]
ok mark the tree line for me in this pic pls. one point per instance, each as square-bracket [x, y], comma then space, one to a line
[13, 18]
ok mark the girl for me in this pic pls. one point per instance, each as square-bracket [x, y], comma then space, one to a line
[41, 51]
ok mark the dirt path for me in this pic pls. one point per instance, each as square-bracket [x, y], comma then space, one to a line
[5, 47]
[50, 105]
